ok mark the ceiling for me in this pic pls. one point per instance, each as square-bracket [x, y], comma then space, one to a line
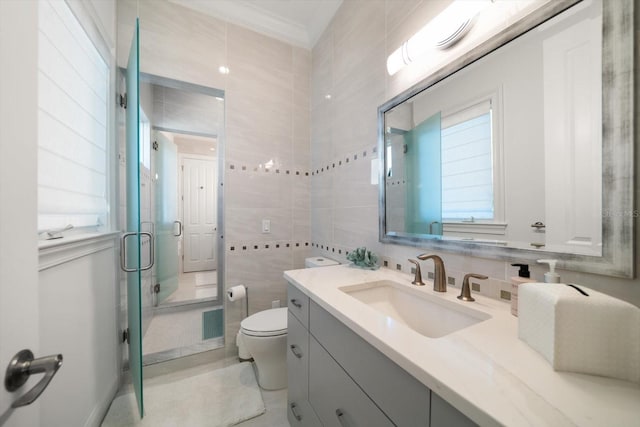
[297, 22]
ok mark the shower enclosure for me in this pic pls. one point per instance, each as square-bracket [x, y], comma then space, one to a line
[171, 159]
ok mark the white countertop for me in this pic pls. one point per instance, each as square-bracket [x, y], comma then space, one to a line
[484, 370]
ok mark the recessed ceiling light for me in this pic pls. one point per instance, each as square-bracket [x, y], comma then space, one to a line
[223, 70]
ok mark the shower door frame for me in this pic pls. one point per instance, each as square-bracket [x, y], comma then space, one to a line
[217, 303]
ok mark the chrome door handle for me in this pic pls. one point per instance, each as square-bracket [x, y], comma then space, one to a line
[179, 229]
[152, 249]
[123, 251]
[24, 365]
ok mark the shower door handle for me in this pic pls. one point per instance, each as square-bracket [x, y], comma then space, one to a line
[22, 366]
[123, 251]
[179, 224]
[152, 250]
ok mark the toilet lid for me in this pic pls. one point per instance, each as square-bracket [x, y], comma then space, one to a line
[266, 323]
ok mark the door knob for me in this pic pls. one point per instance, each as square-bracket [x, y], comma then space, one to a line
[22, 366]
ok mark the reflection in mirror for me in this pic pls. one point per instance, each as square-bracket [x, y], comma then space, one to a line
[179, 146]
[515, 160]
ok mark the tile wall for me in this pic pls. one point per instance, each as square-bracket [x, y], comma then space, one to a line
[349, 81]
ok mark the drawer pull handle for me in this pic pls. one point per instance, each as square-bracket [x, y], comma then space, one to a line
[296, 303]
[339, 414]
[294, 350]
[295, 414]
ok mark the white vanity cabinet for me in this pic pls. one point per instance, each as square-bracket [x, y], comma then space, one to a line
[338, 379]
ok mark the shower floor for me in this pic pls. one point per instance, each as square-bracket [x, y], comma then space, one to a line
[182, 331]
[195, 286]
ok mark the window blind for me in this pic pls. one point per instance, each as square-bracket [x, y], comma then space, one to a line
[73, 82]
[467, 172]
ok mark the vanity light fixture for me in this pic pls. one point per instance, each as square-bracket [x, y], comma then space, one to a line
[441, 32]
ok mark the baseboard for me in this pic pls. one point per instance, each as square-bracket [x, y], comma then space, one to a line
[100, 410]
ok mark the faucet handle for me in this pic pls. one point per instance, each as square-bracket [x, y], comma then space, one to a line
[417, 280]
[465, 293]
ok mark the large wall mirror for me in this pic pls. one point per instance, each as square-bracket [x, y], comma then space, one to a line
[523, 147]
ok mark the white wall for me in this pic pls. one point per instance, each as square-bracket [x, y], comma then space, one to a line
[349, 62]
[78, 303]
[68, 309]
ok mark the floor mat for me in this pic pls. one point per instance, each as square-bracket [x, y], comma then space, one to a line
[219, 398]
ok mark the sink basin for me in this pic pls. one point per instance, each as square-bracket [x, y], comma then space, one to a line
[428, 315]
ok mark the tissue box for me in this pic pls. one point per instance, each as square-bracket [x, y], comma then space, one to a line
[595, 334]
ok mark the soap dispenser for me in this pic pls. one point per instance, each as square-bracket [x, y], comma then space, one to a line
[524, 276]
[551, 276]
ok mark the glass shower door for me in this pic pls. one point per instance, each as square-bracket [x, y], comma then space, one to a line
[424, 177]
[132, 239]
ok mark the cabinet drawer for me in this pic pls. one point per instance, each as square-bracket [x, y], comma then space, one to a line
[300, 413]
[297, 358]
[337, 400]
[403, 399]
[298, 304]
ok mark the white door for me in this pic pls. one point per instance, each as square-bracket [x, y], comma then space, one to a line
[199, 193]
[19, 316]
[573, 144]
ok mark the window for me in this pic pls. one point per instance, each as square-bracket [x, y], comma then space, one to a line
[467, 164]
[73, 121]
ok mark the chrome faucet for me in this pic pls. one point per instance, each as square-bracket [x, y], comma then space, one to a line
[440, 275]
[465, 294]
[417, 280]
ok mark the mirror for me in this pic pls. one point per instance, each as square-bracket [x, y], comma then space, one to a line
[522, 148]
[180, 146]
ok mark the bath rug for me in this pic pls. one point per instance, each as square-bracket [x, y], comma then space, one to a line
[219, 398]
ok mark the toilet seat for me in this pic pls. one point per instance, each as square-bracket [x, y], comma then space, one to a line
[267, 323]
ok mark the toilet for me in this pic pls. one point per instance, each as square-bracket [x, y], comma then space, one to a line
[263, 336]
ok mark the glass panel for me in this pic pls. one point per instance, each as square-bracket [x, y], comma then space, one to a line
[423, 164]
[168, 229]
[134, 310]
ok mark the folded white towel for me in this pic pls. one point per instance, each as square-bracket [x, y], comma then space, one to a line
[595, 334]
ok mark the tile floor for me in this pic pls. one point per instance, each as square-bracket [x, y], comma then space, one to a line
[198, 285]
[176, 329]
[275, 401]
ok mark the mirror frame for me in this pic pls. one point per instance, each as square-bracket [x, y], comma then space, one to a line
[618, 133]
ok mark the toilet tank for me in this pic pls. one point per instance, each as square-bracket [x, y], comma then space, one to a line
[319, 261]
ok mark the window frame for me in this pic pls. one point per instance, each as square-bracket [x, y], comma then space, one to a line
[497, 225]
[89, 20]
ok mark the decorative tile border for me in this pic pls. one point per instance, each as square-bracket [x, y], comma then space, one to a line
[345, 160]
[265, 246]
[261, 169]
[341, 161]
